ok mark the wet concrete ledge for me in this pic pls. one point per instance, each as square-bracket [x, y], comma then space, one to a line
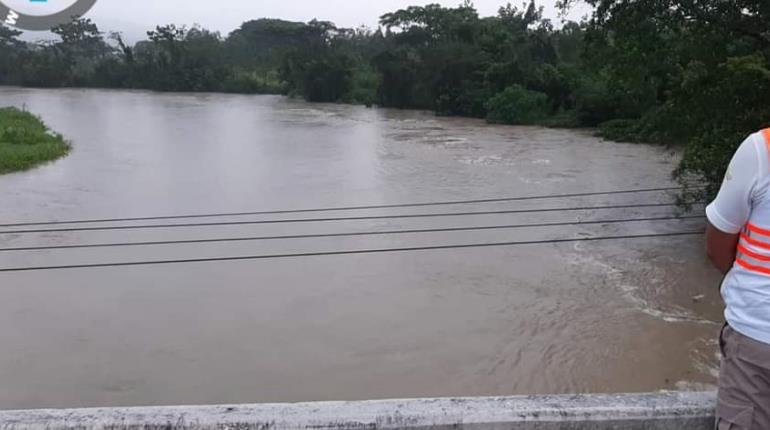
[659, 411]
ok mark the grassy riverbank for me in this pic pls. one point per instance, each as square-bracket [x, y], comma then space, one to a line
[26, 142]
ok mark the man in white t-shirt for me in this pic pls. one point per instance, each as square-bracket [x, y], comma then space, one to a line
[738, 243]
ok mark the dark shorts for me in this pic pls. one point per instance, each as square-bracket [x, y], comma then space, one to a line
[744, 383]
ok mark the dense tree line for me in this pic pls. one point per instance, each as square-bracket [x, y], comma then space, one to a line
[693, 72]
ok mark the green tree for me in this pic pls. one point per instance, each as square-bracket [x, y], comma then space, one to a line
[11, 49]
[686, 71]
[181, 59]
[517, 105]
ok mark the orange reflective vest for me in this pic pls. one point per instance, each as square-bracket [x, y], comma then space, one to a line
[753, 238]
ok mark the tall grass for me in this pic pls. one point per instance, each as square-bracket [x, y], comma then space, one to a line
[26, 142]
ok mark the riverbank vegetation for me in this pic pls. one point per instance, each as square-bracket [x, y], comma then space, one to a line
[26, 142]
[689, 72]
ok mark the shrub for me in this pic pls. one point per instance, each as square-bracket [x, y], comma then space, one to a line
[253, 83]
[517, 105]
[621, 130]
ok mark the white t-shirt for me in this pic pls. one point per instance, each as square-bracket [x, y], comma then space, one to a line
[744, 199]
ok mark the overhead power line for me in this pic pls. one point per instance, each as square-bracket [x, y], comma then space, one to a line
[358, 218]
[328, 235]
[347, 252]
[344, 208]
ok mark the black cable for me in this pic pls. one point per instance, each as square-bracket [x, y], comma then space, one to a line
[360, 218]
[326, 235]
[350, 252]
[404, 205]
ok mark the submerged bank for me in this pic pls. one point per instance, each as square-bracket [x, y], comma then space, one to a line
[26, 142]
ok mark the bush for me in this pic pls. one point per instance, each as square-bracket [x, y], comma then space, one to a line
[517, 105]
[566, 119]
[318, 76]
[254, 83]
[364, 83]
[621, 130]
[25, 141]
[716, 111]
[595, 102]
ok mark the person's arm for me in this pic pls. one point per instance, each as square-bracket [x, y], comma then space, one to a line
[721, 248]
[730, 211]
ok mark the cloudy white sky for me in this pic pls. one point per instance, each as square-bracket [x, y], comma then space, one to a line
[134, 17]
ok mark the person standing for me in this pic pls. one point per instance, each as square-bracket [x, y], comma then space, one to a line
[738, 244]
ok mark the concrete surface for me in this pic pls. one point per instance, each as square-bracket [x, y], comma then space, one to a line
[660, 411]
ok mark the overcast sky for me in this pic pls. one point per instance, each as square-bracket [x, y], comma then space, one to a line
[134, 17]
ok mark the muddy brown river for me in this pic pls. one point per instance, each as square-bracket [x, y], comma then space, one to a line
[607, 316]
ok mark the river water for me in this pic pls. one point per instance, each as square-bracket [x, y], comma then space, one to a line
[608, 316]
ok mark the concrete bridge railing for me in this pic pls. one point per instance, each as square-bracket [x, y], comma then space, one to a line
[660, 411]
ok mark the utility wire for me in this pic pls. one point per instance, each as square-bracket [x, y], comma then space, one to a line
[345, 208]
[348, 252]
[359, 218]
[327, 235]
